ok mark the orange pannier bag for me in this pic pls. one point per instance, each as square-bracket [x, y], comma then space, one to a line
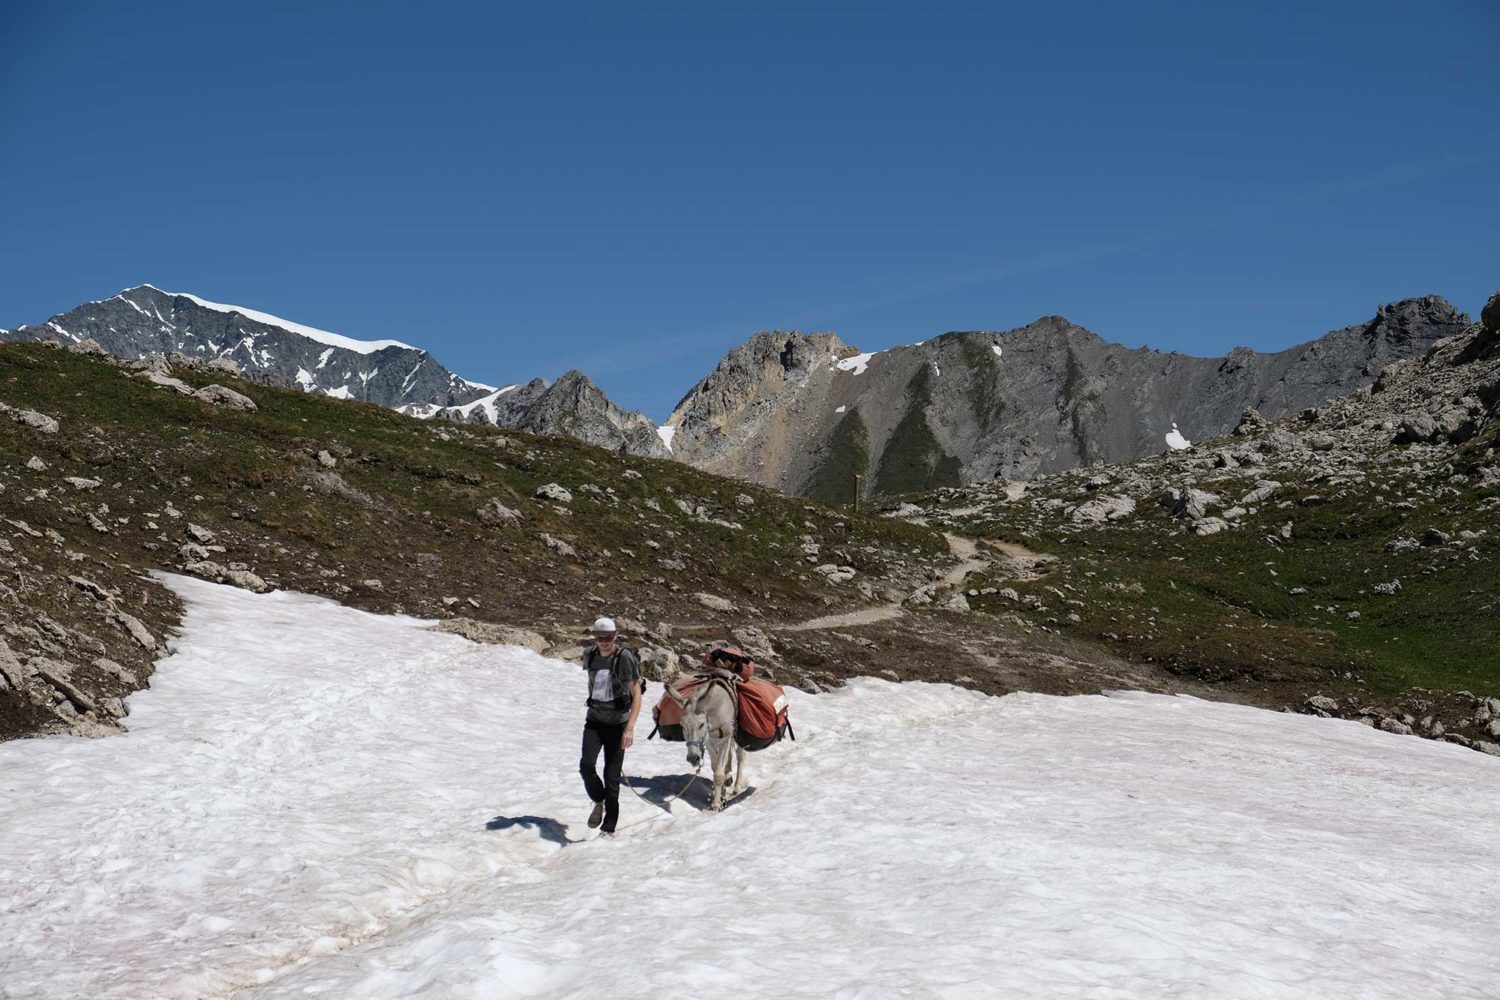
[762, 714]
[668, 711]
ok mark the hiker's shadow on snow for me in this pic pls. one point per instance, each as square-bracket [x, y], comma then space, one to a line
[661, 788]
[549, 829]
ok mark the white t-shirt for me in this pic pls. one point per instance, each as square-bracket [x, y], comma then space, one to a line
[604, 686]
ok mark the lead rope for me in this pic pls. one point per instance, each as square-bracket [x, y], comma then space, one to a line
[662, 805]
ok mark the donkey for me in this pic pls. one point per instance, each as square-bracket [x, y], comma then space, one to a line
[708, 721]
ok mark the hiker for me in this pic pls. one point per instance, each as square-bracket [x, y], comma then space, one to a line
[614, 702]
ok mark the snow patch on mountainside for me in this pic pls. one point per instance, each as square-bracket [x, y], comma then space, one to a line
[312, 333]
[316, 801]
[484, 403]
[666, 432]
[856, 364]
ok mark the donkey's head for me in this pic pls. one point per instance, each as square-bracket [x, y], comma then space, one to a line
[694, 730]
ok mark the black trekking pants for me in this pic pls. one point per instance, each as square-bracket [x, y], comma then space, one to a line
[603, 736]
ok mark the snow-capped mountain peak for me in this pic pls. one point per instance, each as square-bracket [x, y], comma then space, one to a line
[146, 320]
[310, 332]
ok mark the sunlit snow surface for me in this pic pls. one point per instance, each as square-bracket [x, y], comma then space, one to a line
[301, 810]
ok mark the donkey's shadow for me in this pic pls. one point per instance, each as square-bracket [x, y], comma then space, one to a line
[661, 788]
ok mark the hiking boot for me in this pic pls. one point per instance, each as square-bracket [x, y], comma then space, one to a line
[597, 816]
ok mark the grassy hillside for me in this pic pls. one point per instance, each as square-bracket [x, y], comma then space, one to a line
[1253, 603]
[385, 512]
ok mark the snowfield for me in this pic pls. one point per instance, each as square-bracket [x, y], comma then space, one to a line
[318, 802]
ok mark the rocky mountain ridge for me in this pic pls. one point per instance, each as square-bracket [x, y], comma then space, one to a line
[806, 413]
[145, 321]
[1349, 548]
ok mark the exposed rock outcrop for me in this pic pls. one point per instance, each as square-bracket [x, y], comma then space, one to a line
[806, 413]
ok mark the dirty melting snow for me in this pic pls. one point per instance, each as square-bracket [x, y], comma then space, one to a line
[318, 802]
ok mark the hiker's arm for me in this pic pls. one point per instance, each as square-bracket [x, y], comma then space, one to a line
[635, 710]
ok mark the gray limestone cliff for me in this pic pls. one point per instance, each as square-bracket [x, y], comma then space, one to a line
[806, 413]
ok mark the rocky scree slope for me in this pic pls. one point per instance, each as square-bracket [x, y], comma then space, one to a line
[805, 413]
[112, 469]
[1341, 561]
[144, 321]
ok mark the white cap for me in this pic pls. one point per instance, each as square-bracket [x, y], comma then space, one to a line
[604, 626]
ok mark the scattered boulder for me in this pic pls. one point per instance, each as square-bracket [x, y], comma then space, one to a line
[89, 347]
[1322, 704]
[246, 580]
[559, 546]
[1321, 442]
[714, 602]
[1103, 510]
[495, 512]
[1418, 429]
[836, 574]
[753, 641]
[219, 395]
[133, 627]
[1389, 589]
[192, 552]
[554, 492]
[31, 418]
[1188, 502]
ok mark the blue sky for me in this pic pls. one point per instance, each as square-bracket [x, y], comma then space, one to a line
[632, 191]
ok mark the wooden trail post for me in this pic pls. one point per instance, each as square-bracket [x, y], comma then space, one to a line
[857, 478]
